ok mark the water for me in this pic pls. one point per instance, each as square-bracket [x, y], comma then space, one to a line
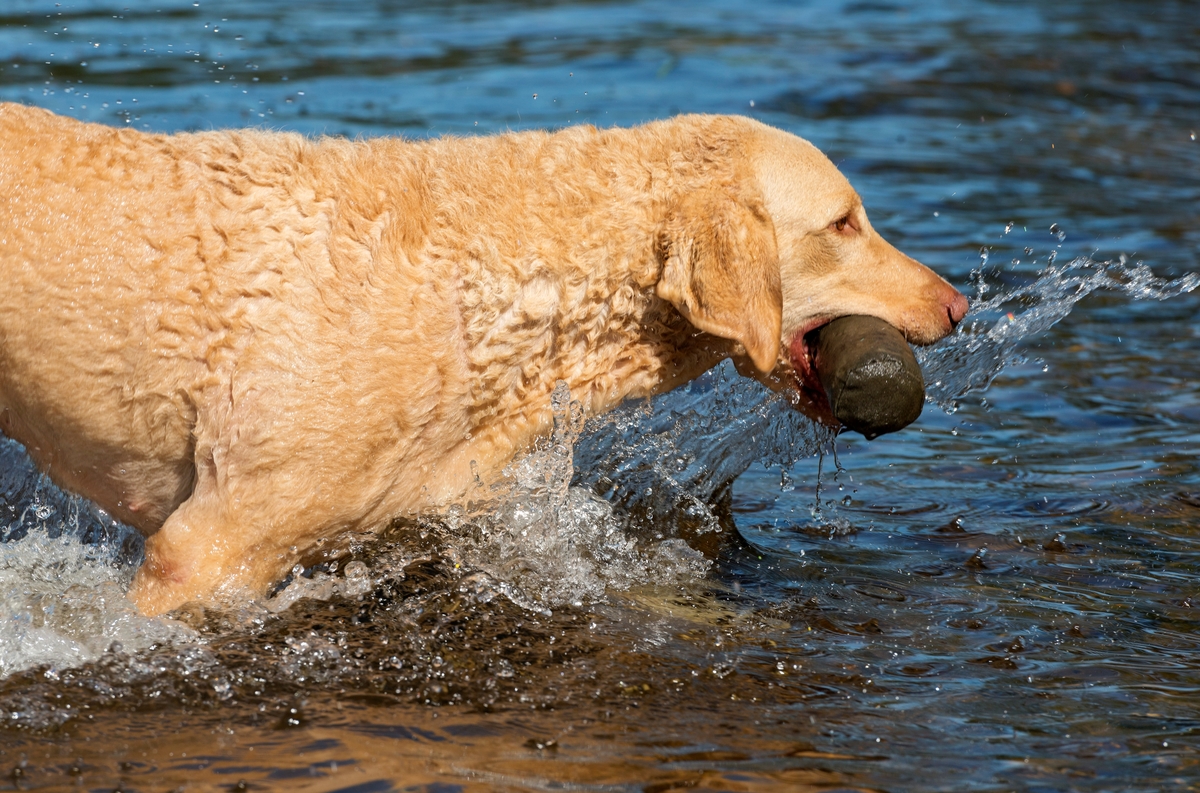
[1002, 597]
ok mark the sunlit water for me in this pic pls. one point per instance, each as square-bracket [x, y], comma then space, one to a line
[1003, 596]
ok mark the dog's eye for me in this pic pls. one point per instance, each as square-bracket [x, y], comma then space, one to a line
[841, 223]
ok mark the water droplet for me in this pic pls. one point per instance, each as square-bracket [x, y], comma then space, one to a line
[1028, 251]
[983, 255]
[847, 501]
[722, 670]
[1009, 226]
[1057, 545]
[358, 580]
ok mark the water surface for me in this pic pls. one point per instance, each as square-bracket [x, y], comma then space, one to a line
[1002, 597]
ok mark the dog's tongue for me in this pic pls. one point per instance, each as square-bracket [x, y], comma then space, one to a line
[869, 374]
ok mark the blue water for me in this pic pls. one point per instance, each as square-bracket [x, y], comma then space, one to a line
[1004, 596]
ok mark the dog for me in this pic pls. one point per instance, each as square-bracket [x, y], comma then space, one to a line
[248, 343]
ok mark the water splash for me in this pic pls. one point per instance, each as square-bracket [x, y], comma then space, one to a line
[970, 359]
[606, 504]
[541, 542]
[64, 569]
[63, 604]
[671, 457]
[356, 580]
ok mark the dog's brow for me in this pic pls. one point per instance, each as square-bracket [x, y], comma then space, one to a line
[846, 208]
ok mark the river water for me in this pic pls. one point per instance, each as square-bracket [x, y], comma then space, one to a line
[704, 592]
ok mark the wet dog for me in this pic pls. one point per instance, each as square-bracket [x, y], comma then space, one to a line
[245, 343]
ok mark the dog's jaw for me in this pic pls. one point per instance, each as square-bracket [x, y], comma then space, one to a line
[809, 395]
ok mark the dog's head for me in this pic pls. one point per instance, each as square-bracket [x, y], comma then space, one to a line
[766, 262]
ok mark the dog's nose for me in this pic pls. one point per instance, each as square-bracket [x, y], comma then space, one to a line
[956, 307]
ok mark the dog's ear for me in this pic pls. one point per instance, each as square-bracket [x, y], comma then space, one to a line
[721, 271]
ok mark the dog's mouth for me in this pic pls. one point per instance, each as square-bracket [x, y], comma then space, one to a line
[809, 397]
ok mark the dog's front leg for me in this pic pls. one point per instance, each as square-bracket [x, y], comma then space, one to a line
[225, 543]
[200, 554]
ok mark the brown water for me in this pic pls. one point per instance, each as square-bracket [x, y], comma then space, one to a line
[1005, 596]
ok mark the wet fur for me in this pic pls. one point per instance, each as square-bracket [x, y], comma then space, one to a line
[244, 343]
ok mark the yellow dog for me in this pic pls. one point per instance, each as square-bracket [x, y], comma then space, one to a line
[244, 342]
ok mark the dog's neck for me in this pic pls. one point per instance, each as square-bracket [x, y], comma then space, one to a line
[606, 335]
[536, 305]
